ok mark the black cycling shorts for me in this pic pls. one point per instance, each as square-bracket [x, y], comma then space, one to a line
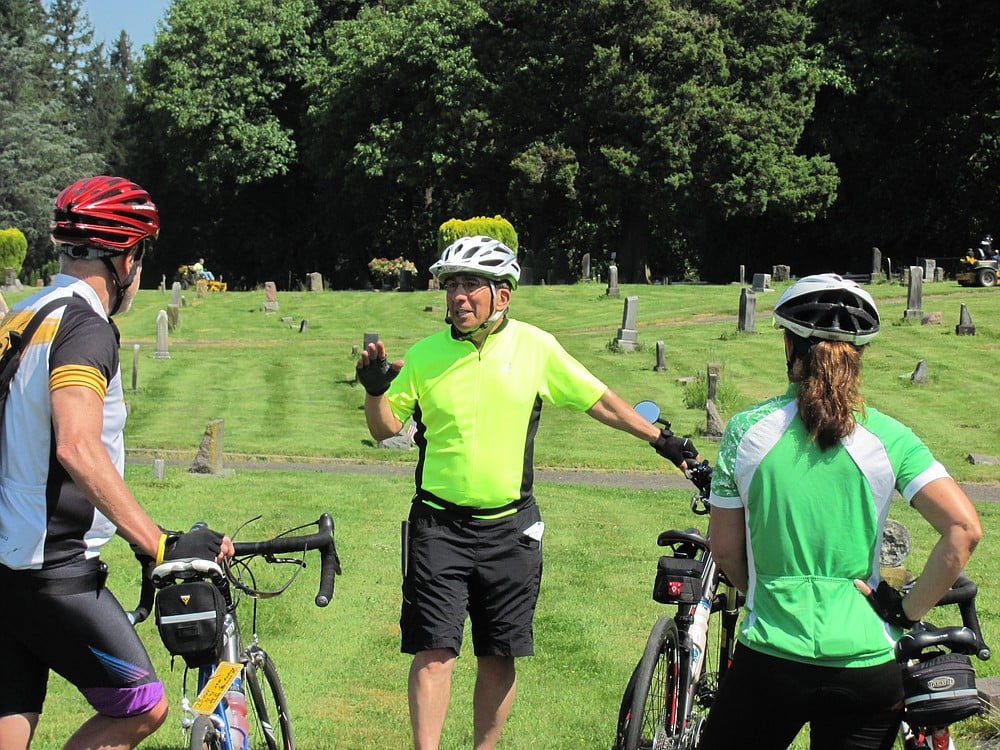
[86, 637]
[764, 702]
[486, 570]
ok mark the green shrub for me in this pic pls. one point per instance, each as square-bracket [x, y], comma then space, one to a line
[496, 227]
[13, 249]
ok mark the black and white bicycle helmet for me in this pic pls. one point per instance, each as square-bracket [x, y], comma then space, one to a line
[826, 306]
[478, 256]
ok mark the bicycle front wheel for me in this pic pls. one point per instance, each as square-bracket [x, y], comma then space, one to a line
[204, 735]
[653, 721]
[270, 722]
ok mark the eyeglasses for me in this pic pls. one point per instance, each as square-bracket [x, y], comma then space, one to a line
[470, 284]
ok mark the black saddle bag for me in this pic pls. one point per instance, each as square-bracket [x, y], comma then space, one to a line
[190, 616]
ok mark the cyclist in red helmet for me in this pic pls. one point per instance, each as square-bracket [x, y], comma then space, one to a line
[62, 495]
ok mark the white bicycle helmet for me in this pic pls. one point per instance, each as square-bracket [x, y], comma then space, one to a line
[478, 256]
[826, 306]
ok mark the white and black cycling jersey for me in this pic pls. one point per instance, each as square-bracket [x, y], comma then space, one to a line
[45, 520]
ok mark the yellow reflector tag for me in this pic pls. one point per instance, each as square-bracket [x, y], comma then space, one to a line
[216, 687]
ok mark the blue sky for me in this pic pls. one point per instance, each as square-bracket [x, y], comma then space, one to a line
[137, 17]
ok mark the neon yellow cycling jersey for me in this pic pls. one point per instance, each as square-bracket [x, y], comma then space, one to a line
[477, 411]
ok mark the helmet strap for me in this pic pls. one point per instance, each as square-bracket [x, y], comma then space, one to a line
[122, 285]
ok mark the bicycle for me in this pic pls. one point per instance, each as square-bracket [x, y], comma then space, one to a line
[938, 677]
[673, 685]
[196, 615]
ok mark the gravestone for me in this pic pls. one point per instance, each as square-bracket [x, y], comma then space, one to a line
[9, 277]
[405, 281]
[402, 440]
[743, 275]
[162, 326]
[209, 457]
[933, 319]
[661, 357]
[915, 293]
[433, 285]
[761, 282]
[613, 290]
[201, 288]
[919, 375]
[585, 268]
[714, 424]
[876, 262]
[930, 270]
[527, 276]
[175, 294]
[713, 386]
[158, 466]
[628, 335]
[163, 283]
[173, 317]
[370, 338]
[135, 368]
[270, 297]
[315, 282]
[781, 273]
[303, 326]
[747, 322]
[965, 326]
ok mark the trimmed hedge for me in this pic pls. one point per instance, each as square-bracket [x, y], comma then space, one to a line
[13, 249]
[496, 227]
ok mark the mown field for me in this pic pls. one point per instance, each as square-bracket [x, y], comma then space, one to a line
[288, 392]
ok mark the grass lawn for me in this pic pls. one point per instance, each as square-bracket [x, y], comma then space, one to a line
[287, 392]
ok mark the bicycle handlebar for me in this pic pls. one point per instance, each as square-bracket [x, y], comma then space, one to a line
[321, 540]
[966, 638]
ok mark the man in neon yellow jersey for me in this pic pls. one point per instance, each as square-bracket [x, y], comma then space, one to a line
[474, 542]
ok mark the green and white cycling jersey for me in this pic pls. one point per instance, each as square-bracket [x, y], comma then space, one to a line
[477, 411]
[814, 523]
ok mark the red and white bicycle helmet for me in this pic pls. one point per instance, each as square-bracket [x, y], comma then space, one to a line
[105, 215]
[826, 306]
[478, 256]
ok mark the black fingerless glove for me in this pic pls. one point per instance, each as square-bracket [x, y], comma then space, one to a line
[376, 376]
[674, 449]
[888, 604]
[201, 543]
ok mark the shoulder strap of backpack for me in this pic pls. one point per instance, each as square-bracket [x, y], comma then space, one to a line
[24, 337]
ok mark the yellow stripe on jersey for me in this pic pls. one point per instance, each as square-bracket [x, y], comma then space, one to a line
[69, 375]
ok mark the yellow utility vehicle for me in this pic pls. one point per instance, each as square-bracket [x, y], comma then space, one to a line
[188, 277]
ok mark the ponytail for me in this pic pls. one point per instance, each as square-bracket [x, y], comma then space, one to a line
[828, 374]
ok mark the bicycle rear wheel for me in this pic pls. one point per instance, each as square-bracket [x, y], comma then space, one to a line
[270, 722]
[652, 722]
[203, 735]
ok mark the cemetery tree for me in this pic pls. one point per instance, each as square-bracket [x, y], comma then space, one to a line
[913, 123]
[400, 128]
[40, 153]
[222, 86]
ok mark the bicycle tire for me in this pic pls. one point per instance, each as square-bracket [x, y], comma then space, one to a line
[203, 735]
[654, 691]
[270, 722]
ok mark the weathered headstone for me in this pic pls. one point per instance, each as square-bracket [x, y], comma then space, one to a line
[270, 297]
[9, 276]
[761, 282]
[876, 261]
[747, 322]
[585, 268]
[714, 425]
[201, 288]
[370, 338]
[158, 466]
[405, 281]
[315, 282]
[613, 290]
[930, 269]
[780, 273]
[303, 326]
[173, 317]
[175, 294]
[914, 296]
[932, 318]
[433, 286]
[661, 357]
[209, 457]
[162, 326]
[163, 283]
[743, 275]
[919, 375]
[965, 326]
[983, 459]
[628, 335]
[713, 386]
